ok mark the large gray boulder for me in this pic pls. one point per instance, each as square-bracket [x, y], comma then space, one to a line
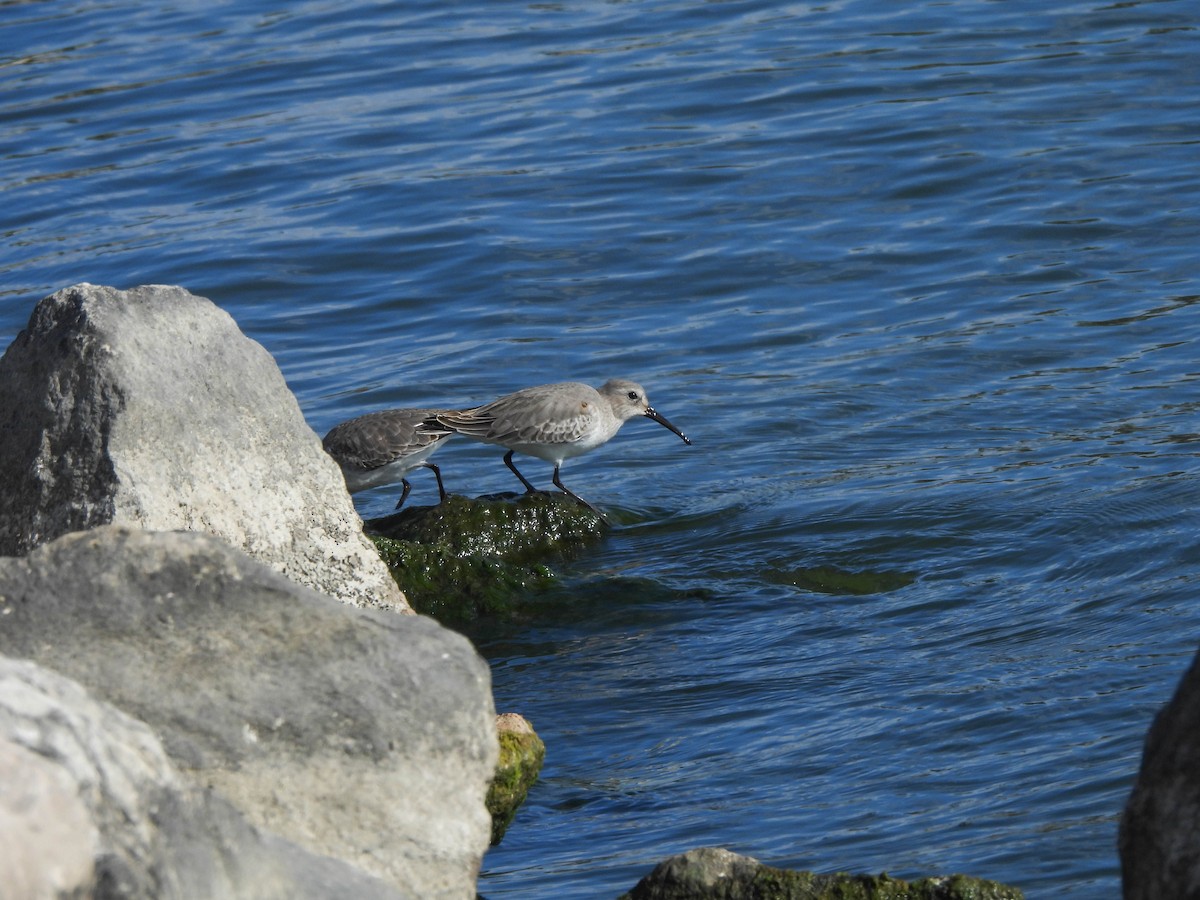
[150, 408]
[356, 733]
[90, 806]
[1160, 829]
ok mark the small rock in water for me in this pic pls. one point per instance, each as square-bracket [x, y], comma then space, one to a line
[521, 756]
[716, 874]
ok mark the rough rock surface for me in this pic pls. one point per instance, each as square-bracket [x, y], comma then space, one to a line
[149, 407]
[50, 846]
[1159, 843]
[91, 806]
[712, 873]
[357, 733]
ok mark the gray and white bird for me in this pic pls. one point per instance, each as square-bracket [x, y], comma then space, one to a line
[554, 422]
[382, 447]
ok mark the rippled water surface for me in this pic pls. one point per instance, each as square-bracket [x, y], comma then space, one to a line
[918, 279]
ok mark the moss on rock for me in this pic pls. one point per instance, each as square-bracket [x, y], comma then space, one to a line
[465, 558]
[521, 755]
[515, 528]
[717, 874]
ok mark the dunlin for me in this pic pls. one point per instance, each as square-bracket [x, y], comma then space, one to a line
[554, 422]
[382, 447]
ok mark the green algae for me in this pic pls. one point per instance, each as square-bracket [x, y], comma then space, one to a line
[521, 756]
[464, 559]
[456, 589]
[514, 528]
[719, 875]
[832, 580]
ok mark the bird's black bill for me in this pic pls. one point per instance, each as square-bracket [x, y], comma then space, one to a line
[662, 420]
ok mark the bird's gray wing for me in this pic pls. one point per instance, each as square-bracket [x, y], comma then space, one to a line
[378, 438]
[541, 415]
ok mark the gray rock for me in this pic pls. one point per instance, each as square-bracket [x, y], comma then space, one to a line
[49, 846]
[1160, 829]
[150, 408]
[90, 806]
[356, 733]
[706, 872]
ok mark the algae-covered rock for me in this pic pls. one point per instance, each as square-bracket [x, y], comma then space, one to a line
[466, 558]
[521, 755]
[516, 528]
[456, 589]
[832, 580]
[717, 874]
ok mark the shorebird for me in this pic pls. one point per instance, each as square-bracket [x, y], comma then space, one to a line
[382, 447]
[554, 422]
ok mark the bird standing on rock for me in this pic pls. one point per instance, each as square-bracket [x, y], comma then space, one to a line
[382, 447]
[554, 422]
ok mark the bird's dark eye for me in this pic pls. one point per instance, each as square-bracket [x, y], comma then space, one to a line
[633, 395]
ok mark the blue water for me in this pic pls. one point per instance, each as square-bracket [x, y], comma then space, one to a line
[918, 279]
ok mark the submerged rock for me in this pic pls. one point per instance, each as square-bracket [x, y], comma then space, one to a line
[839, 582]
[717, 874]
[150, 408]
[521, 756]
[356, 733]
[466, 558]
[1160, 851]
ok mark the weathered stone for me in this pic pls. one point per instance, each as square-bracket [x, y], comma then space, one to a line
[521, 756]
[717, 874]
[464, 559]
[356, 733]
[49, 847]
[90, 806]
[150, 408]
[1160, 828]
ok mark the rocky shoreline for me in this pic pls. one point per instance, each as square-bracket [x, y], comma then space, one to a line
[212, 685]
[177, 544]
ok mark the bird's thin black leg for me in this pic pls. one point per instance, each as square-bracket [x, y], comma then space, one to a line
[562, 487]
[438, 475]
[529, 488]
[404, 494]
